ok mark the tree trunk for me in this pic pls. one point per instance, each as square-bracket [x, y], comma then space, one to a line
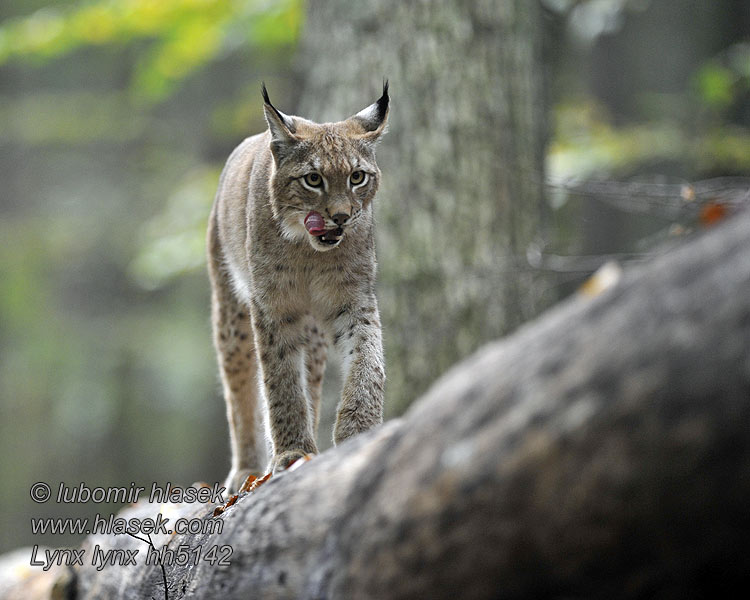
[603, 451]
[461, 194]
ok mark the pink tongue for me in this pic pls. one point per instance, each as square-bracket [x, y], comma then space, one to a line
[315, 223]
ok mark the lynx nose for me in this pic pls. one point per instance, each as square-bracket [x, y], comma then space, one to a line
[340, 218]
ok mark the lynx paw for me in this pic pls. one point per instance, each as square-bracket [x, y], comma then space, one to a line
[349, 424]
[283, 461]
[237, 477]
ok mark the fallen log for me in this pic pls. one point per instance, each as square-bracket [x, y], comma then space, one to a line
[601, 451]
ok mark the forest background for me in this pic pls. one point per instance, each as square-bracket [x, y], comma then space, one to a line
[116, 118]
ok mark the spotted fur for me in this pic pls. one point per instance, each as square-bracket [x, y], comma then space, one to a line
[281, 296]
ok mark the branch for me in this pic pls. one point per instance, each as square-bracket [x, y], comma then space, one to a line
[150, 543]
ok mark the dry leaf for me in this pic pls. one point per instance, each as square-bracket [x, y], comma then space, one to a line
[299, 462]
[220, 509]
[687, 192]
[712, 212]
[248, 483]
[604, 278]
[259, 482]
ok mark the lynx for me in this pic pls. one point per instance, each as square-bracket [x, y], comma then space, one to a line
[292, 269]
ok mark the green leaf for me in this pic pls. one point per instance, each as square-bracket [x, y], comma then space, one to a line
[715, 85]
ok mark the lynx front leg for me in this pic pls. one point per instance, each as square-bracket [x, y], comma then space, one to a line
[315, 363]
[280, 344]
[358, 338]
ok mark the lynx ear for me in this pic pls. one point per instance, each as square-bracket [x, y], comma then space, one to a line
[374, 119]
[281, 126]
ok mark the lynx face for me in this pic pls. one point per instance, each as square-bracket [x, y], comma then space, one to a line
[325, 175]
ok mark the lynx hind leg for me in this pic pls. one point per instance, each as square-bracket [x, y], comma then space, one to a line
[235, 348]
[315, 365]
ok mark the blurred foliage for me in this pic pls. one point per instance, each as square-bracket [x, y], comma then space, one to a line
[588, 144]
[694, 122]
[724, 81]
[650, 102]
[173, 241]
[715, 85]
[71, 117]
[183, 35]
[589, 19]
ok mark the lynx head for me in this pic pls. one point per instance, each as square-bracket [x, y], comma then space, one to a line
[325, 175]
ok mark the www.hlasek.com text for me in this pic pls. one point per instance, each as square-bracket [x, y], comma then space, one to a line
[108, 525]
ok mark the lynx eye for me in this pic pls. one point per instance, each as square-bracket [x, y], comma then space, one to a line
[313, 179]
[357, 177]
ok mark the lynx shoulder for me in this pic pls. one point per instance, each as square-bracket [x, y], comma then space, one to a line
[292, 269]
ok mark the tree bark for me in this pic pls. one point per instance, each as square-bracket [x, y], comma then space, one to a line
[461, 194]
[602, 451]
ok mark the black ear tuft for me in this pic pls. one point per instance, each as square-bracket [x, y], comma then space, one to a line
[285, 120]
[373, 118]
[382, 102]
[264, 91]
